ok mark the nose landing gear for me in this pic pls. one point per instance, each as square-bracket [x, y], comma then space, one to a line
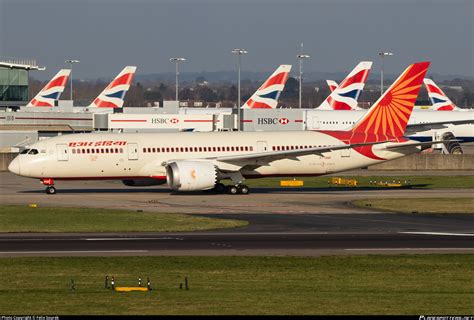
[50, 190]
[49, 183]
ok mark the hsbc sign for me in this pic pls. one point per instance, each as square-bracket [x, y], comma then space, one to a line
[165, 120]
[270, 121]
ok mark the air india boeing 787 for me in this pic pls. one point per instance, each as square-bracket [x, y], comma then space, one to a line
[199, 161]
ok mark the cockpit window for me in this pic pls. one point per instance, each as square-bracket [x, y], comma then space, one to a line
[33, 151]
[25, 151]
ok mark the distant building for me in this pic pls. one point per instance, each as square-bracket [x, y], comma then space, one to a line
[14, 81]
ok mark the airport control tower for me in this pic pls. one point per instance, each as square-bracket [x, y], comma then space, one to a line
[14, 80]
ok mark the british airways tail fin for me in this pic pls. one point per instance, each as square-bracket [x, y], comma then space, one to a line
[438, 98]
[51, 91]
[113, 96]
[345, 96]
[266, 97]
[389, 115]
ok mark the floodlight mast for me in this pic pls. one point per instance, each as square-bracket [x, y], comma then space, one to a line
[239, 53]
[177, 60]
[71, 62]
[383, 54]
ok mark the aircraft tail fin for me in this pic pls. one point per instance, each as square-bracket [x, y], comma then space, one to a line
[438, 98]
[51, 91]
[345, 96]
[114, 94]
[389, 115]
[266, 97]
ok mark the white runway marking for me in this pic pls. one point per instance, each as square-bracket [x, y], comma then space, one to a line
[440, 233]
[76, 251]
[405, 249]
[121, 239]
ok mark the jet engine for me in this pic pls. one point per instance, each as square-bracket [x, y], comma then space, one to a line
[191, 175]
[146, 182]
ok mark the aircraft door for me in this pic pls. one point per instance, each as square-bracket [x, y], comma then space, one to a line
[62, 151]
[315, 123]
[132, 151]
[262, 146]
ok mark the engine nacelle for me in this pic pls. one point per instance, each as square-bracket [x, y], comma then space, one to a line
[146, 182]
[191, 175]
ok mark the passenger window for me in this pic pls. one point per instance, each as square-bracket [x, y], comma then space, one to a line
[73, 151]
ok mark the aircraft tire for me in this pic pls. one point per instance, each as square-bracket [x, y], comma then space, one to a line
[50, 190]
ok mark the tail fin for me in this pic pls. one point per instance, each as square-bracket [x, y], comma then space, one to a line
[267, 95]
[345, 96]
[332, 85]
[438, 98]
[390, 114]
[51, 91]
[113, 96]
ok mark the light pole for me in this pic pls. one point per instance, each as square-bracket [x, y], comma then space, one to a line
[177, 61]
[239, 52]
[71, 61]
[301, 56]
[383, 54]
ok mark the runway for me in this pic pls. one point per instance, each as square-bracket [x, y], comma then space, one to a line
[304, 222]
[285, 243]
[297, 235]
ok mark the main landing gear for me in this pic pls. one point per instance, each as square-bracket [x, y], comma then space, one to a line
[49, 183]
[232, 189]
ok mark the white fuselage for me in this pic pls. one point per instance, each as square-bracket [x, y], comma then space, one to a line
[343, 120]
[145, 155]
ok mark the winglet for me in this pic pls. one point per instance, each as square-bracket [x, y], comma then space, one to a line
[390, 114]
[266, 97]
[51, 91]
[113, 96]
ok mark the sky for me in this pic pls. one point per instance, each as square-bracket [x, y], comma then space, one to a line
[106, 35]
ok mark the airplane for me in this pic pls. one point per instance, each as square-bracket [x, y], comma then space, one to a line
[345, 95]
[438, 98]
[200, 161]
[266, 97]
[51, 91]
[114, 94]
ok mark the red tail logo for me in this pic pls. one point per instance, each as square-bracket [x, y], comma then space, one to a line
[390, 114]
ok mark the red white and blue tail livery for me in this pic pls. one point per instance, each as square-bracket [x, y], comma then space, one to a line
[332, 85]
[266, 97]
[345, 96]
[113, 96]
[438, 98]
[51, 91]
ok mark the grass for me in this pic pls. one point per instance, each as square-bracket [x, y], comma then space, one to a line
[363, 181]
[413, 284]
[420, 205]
[49, 219]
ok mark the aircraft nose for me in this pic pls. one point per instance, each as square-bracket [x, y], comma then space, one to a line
[14, 166]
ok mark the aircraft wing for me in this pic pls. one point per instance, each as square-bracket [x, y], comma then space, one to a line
[415, 144]
[269, 156]
[418, 127]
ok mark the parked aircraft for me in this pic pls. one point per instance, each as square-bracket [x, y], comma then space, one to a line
[346, 94]
[267, 95]
[199, 161]
[51, 91]
[114, 94]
